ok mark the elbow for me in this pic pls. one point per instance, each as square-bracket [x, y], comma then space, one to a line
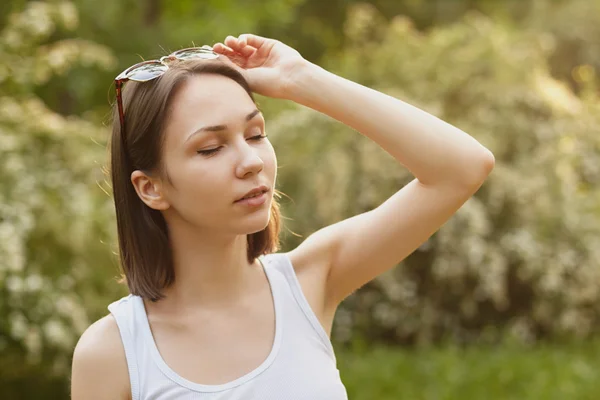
[486, 163]
[481, 167]
[474, 171]
[468, 174]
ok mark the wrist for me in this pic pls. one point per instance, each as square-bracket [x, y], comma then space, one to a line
[299, 80]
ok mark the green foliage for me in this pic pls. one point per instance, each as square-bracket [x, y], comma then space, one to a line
[574, 29]
[553, 372]
[52, 220]
[522, 255]
[520, 258]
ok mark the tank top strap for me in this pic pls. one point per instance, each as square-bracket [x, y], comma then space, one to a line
[282, 264]
[123, 311]
[301, 364]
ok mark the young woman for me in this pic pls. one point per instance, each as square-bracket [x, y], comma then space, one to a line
[214, 312]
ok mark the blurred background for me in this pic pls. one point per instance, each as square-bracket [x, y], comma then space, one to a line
[501, 303]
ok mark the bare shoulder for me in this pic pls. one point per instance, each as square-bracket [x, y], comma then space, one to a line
[99, 368]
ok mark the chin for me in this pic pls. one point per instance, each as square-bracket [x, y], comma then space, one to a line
[255, 223]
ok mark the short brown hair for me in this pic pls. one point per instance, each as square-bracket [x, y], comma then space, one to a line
[144, 250]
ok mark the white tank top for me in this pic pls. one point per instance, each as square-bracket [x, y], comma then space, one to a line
[300, 366]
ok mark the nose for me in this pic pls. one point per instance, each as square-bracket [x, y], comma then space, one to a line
[249, 161]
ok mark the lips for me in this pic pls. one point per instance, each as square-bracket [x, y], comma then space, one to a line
[254, 192]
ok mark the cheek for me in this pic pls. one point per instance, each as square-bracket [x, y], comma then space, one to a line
[195, 181]
[270, 160]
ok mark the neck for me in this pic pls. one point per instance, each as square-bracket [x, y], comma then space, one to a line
[211, 269]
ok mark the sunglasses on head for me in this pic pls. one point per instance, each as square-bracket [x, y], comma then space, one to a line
[152, 69]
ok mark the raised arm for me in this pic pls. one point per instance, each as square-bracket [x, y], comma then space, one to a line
[437, 153]
[449, 166]
[99, 370]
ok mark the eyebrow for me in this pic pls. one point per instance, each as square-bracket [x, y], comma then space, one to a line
[218, 128]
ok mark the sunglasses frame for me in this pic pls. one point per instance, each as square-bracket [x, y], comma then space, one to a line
[203, 52]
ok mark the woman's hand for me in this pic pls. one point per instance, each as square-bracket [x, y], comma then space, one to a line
[268, 65]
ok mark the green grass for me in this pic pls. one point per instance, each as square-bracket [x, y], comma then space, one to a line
[545, 372]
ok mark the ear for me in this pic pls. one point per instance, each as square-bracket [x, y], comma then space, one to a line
[149, 190]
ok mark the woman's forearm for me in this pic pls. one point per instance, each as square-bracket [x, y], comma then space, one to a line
[433, 150]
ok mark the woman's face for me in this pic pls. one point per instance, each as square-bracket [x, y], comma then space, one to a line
[214, 153]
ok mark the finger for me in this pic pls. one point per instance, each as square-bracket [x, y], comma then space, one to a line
[218, 47]
[222, 49]
[239, 47]
[253, 40]
[232, 61]
[234, 56]
[247, 51]
[232, 42]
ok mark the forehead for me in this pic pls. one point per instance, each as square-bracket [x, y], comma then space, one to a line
[208, 99]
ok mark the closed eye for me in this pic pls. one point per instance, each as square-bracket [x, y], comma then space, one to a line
[258, 137]
[216, 149]
[209, 151]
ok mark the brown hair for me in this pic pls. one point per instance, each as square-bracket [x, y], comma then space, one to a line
[144, 250]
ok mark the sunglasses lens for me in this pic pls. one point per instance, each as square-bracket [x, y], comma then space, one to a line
[196, 52]
[146, 72]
